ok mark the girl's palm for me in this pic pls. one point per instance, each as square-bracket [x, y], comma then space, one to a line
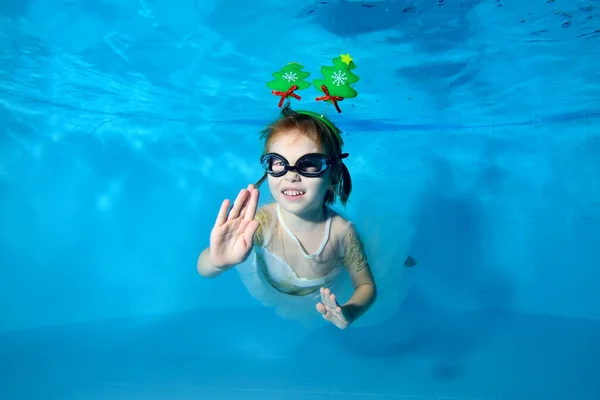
[231, 237]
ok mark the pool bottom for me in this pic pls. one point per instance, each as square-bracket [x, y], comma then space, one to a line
[248, 354]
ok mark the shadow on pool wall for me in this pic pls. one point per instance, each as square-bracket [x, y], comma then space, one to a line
[457, 296]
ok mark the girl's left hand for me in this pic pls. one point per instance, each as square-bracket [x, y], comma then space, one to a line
[332, 311]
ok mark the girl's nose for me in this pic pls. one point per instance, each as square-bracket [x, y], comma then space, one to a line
[292, 176]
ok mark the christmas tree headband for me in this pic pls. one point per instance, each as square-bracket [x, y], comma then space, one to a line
[335, 84]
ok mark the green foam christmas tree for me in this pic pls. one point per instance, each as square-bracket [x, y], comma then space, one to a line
[337, 80]
[287, 80]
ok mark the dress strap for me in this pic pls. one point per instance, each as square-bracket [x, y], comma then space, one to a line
[291, 234]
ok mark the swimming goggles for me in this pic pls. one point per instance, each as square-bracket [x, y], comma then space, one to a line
[309, 165]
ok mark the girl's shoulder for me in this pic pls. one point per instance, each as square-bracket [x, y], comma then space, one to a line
[265, 217]
[341, 226]
[351, 248]
[266, 212]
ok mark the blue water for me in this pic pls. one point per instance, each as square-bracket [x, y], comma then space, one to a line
[475, 138]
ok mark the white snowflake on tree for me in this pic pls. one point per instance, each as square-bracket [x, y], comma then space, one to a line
[339, 78]
[290, 76]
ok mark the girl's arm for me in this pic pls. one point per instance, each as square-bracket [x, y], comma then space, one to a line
[365, 294]
[355, 260]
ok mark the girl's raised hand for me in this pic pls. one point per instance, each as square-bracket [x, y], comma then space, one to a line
[232, 235]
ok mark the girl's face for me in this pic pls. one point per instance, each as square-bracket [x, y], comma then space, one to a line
[295, 193]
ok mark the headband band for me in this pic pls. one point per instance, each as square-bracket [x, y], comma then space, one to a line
[320, 118]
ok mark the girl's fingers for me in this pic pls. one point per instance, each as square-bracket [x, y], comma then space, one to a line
[222, 216]
[239, 203]
[250, 230]
[252, 205]
[321, 309]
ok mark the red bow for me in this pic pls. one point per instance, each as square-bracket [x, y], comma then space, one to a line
[284, 95]
[334, 99]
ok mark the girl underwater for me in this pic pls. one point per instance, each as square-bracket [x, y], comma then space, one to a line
[301, 246]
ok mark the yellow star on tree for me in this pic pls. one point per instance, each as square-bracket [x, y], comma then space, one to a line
[346, 58]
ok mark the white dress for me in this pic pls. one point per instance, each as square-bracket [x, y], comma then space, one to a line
[281, 274]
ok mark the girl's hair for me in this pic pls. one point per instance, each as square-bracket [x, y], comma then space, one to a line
[326, 135]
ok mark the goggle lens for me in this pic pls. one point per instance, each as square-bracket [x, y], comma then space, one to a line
[309, 165]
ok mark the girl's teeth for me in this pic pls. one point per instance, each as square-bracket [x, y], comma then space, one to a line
[292, 192]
